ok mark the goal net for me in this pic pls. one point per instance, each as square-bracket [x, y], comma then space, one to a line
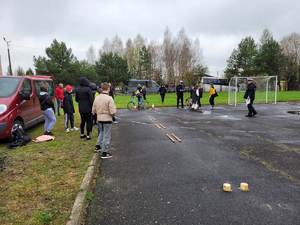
[266, 90]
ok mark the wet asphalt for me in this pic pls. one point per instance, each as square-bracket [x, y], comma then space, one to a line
[151, 180]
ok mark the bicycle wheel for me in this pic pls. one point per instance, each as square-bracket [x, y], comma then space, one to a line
[145, 104]
[131, 106]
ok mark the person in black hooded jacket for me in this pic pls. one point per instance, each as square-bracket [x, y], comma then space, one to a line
[85, 99]
[250, 97]
[47, 108]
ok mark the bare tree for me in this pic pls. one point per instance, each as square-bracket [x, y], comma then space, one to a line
[129, 53]
[117, 46]
[156, 52]
[291, 49]
[20, 71]
[91, 55]
[184, 54]
[169, 58]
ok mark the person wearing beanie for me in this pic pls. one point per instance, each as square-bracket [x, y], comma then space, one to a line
[69, 110]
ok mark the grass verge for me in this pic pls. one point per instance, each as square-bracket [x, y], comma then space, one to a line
[222, 99]
[41, 180]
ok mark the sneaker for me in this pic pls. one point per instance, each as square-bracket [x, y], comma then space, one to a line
[48, 133]
[88, 138]
[75, 129]
[105, 155]
[82, 136]
[116, 122]
[97, 148]
[248, 115]
[68, 130]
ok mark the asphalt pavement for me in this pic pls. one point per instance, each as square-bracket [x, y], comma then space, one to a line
[151, 180]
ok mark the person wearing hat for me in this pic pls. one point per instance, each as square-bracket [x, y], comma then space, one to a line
[69, 110]
[179, 92]
[250, 97]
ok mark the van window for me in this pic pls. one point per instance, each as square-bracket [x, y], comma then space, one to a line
[8, 86]
[26, 87]
[38, 84]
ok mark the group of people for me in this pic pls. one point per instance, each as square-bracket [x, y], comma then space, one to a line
[101, 106]
[196, 93]
[91, 104]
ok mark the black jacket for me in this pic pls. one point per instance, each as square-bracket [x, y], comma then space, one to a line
[180, 89]
[250, 92]
[84, 96]
[162, 90]
[68, 103]
[45, 101]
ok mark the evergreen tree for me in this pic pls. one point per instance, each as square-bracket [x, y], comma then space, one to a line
[112, 68]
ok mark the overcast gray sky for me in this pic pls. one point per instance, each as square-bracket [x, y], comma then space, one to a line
[31, 25]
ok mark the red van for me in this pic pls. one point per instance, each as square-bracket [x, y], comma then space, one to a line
[19, 102]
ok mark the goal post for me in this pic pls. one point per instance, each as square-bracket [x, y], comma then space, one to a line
[266, 89]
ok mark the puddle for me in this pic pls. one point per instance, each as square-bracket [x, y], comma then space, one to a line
[206, 112]
[296, 112]
[226, 117]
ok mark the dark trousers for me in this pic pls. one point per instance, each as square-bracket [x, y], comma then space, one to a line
[199, 102]
[212, 100]
[251, 110]
[86, 120]
[162, 96]
[58, 106]
[69, 118]
[179, 98]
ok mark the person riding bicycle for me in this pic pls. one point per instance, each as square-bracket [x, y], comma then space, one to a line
[139, 94]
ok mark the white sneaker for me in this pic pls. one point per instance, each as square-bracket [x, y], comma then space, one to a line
[67, 130]
[74, 129]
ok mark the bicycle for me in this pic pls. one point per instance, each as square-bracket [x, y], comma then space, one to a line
[134, 105]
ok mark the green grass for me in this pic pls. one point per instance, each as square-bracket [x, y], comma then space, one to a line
[41, 180]
[222, 99]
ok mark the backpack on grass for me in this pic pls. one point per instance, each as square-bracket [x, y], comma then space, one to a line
[18, 137]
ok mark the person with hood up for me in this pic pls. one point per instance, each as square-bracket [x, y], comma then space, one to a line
[250, 97]
[84, 97]
[47, 108]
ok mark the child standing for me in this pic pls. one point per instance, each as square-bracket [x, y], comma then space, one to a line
[68, 107]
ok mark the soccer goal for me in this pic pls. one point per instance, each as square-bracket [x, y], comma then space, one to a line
[266, 89]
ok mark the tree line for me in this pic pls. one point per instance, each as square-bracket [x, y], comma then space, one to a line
[175, 58]
[268, 57]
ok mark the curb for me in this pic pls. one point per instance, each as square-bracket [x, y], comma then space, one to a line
[81, 203]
